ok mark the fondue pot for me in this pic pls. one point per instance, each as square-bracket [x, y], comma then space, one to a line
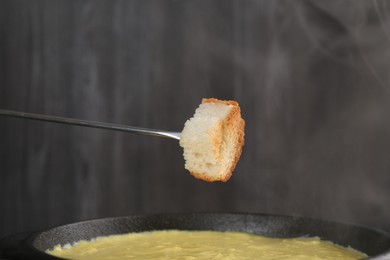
[374, 243]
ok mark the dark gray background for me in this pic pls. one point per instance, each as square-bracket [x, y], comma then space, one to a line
[312, 79]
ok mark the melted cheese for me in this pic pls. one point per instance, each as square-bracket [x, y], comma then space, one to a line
[203, 245]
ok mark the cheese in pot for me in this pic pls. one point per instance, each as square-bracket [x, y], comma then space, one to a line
[174, 244]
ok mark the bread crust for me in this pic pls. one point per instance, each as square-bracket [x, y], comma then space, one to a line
[233, 124]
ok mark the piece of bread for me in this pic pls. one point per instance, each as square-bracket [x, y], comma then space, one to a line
[213, 139]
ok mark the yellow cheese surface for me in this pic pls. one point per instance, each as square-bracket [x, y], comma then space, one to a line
[203, 245]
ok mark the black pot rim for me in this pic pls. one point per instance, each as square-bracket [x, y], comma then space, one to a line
[29, 247]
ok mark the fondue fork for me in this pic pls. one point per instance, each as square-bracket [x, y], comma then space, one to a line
[71, 121]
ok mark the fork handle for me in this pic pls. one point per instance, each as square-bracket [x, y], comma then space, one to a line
[93, 124]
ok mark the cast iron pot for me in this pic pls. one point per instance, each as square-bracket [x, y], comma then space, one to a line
[374, 243]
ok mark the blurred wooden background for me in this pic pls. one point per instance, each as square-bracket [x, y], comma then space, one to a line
[312, 78]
